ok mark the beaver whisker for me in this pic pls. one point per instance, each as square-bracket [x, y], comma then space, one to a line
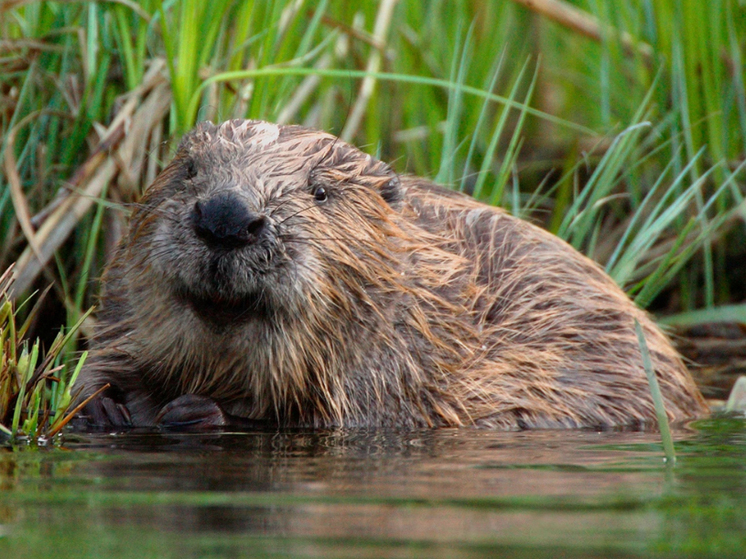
[147, 209]
[292, 238]
[160, 253]
[279, 206]
[302, 210]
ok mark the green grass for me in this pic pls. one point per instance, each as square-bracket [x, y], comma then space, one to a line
[632, 152]
[655, 392]
[36, 391]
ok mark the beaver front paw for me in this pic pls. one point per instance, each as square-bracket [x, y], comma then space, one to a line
[108, 410]
[192, 412]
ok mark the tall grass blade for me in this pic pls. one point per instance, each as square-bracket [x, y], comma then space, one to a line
[655, 393]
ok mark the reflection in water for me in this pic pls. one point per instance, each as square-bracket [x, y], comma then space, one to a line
[426, 493]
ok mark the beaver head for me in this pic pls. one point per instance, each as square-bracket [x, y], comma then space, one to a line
[252, 219]
[254, 258]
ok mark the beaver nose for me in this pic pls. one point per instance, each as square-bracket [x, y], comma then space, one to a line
[225, 220]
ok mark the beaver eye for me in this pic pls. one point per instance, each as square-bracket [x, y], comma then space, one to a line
[319, 194]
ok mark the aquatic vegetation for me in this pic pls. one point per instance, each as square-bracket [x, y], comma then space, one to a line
[35, 390]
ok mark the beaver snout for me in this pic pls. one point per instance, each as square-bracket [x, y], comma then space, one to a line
[225, 221]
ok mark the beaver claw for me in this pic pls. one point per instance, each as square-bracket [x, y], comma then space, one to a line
[192, 412]
[108, 410]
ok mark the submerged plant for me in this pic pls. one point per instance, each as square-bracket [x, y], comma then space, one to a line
[36, 391]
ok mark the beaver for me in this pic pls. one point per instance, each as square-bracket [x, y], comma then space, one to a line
[278, 274]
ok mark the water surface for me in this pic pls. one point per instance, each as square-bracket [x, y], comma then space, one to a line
[443, 493]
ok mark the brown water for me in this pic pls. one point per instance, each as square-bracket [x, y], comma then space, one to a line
[444, 493]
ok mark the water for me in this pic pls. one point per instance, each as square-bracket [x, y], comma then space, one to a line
[446, 493]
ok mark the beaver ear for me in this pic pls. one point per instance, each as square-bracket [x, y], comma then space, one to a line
[391, 191]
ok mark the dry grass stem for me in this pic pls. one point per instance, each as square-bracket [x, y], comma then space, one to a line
[383, 22]
[571, 17]
[128, 137]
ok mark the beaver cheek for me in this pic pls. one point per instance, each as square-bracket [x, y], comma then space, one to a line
[307, 280]
[161, 242]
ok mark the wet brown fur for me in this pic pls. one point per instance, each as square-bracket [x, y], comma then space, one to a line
[394, 303]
